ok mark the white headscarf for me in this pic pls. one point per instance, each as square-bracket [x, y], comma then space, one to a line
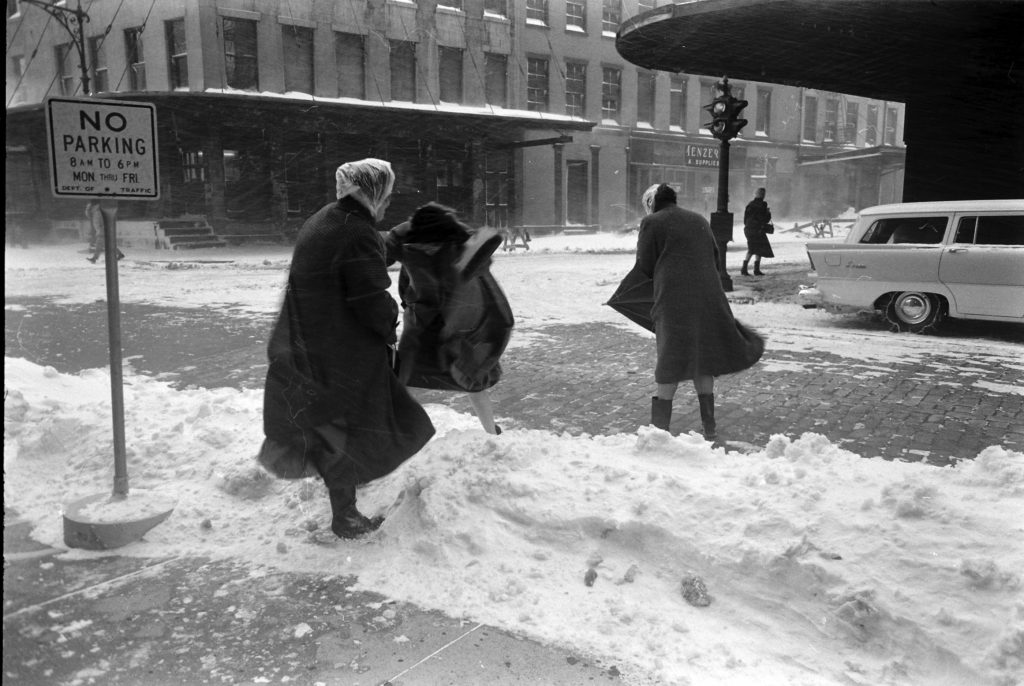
[369, 181]
[647, 199]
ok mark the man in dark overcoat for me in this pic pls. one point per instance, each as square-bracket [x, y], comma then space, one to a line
[332, 403]
[696, 335]
[757, 219]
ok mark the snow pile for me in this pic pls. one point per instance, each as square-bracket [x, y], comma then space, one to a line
[821, 566]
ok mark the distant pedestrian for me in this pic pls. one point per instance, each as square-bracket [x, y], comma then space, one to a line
[98, 223]
[757, 224]
[696, 335]
[457, 321]
[513, 233]
[332, 404]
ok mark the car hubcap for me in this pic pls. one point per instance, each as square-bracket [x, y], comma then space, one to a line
[914, 308]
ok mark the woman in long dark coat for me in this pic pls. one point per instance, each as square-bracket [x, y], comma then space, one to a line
[332, 404]
[457, 321]
[756, 220]
[697, 337]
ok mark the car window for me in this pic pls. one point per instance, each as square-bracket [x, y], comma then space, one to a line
[991, 230]
[926, 230]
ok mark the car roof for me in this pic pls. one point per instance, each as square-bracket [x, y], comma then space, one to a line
[947, 206]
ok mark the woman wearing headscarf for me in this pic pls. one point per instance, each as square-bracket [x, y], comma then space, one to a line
[696, 335]
[332, 404]
[457, 321]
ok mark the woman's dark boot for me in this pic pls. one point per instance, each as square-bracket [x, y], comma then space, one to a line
[707, 414]
[347, 521]
[757, 269]
[661, 413]
[743, 269]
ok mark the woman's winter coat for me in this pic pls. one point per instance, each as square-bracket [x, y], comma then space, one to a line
[331, 395]
[693, 323]
[457, 321]
[756, 217]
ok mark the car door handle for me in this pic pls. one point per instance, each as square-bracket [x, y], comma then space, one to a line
[958, 250]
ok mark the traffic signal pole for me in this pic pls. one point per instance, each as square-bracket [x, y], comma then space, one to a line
[721, 219]
[725, 125]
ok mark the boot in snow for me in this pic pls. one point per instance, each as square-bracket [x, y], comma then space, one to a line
[707, 414]
[743, 270]
[347, 521]
[661, 413]
[757, 269]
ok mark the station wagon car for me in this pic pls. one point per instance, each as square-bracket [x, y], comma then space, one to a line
[921, 262]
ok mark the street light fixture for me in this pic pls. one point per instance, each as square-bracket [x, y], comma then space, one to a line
[72, 19]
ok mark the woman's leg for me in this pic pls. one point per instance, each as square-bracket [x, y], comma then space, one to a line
[667, 391]
[705, 387]
[484, 410]
[746, 261]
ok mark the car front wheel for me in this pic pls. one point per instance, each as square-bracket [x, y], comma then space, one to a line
[914, 312]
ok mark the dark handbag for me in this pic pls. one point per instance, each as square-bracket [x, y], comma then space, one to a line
[769, 228]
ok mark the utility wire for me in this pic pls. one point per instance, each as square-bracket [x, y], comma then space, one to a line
[142, 30]
[35, 51]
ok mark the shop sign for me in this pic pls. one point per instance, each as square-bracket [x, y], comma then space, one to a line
[698, 155]
[102, 148]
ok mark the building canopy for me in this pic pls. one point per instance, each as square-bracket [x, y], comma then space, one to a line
[957, 64]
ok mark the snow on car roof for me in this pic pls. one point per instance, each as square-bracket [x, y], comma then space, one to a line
[947, 206]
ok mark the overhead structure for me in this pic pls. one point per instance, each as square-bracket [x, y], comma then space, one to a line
[958, 65]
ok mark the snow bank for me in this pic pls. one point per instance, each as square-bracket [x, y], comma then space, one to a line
[821, 566]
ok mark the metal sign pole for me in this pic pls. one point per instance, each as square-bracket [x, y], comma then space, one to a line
[108, 209]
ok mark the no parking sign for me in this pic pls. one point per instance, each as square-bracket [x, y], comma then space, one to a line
[102, 148]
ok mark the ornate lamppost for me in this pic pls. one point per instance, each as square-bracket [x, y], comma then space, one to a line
[725, 125]
[72, 19]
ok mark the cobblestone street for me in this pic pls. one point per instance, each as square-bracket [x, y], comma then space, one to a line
[596, 379]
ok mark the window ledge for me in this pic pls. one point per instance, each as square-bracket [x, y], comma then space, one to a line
[572, 28]
[536, 22]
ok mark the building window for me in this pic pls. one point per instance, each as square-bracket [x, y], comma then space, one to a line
[677, 103]
[645, 6]
[611, 94]
[576, 89]
[646, 84]
[18, 66]
[350, 58]
[98, 65]
[891, 116]
[537, 84]
[450, 73]
[831, 130]
[136, 59]
[871, 130]
[810, 118]
[498, 8]
[193, 167]
[537, 12]
[66, 68]
[298, 58]
[707, 96]
[575, 16]
[13, 8]
[403, 70]
[240, 64]
[496, 86]
[451, 4]
[611, 15]
[850, 123]
[177, 54]
[764, 111]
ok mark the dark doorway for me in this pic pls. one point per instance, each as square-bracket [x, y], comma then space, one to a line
[577, 209]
